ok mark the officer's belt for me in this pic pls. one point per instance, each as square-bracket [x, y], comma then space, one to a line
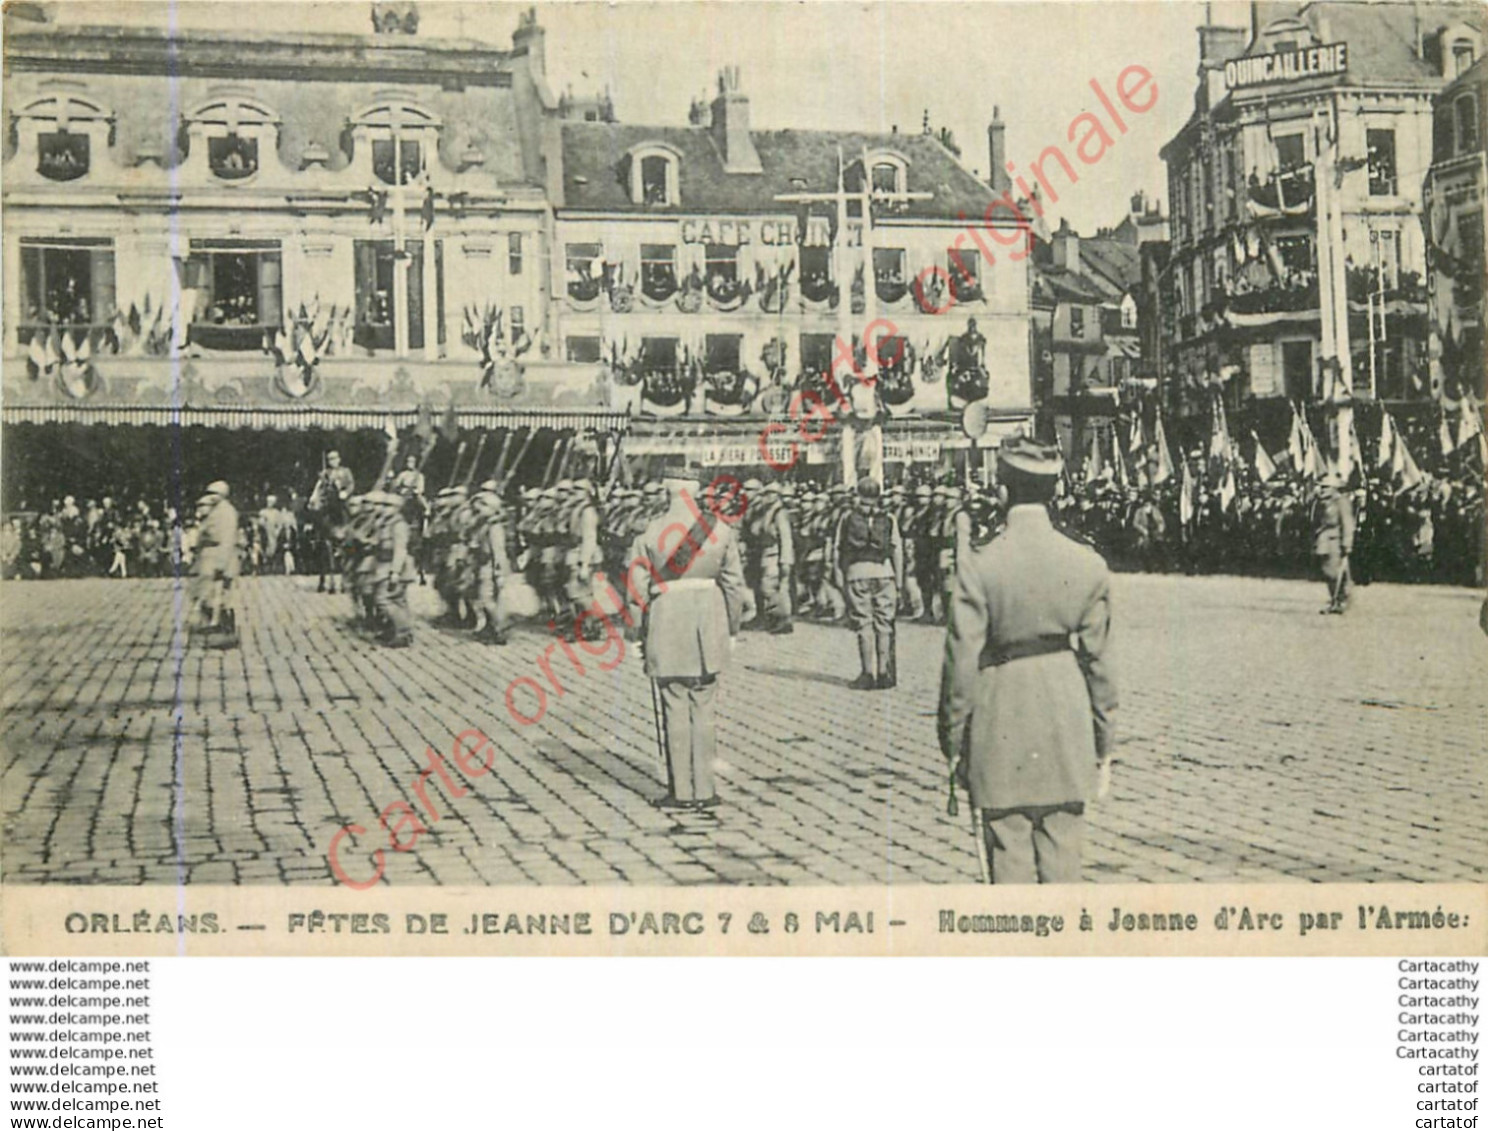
[995, 655]
[691, 583]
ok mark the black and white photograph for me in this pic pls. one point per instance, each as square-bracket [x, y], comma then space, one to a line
[741, 445]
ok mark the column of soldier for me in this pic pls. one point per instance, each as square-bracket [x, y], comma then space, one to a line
[470, 542]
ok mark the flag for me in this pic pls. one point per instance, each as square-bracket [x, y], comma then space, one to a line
[1227, 488]
[1471, 429]
[1265, 469]
[1356, 449]
[1403, 470]
[306, 351]
[36, 352]
[1164, 457]
[69, 351]
[1137, 441]
[1186, 497]
[281, 345]
[1444, 434]
[53, 348]
[1296, 446]
[84, 352]
[1386, 453]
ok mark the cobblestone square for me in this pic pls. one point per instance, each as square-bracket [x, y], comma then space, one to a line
[1258, 742]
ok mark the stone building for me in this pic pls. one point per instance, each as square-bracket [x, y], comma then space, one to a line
[1358, 81]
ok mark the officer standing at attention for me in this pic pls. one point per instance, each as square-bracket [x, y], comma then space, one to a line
[1027, 692]
[694, 608]
[868, 563]
[217, 563]
[1333, 540]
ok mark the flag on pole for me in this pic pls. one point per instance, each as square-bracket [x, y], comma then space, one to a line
[1137, 441]
[1386, 453]
[53, 348]
[1227, 488]
[36, 352]
[306, 351]
[1186, 497]
[1356, 449]
[1444, 434]
[84, 352]
[1164, 456]
[1265, 468]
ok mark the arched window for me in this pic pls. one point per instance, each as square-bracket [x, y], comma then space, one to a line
[655, 178]
[1466, 108]
[398, 140]
[233, 133]
[64, 129]
[888, 175]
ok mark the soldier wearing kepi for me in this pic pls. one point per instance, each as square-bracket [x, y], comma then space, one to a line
[217, 564]
[693, 611]
[1027, 694]
[868, 563]
[1333, 540]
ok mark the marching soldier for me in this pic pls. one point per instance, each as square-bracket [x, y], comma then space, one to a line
[581, 556]
[409, 484]
[446, 550]
[216, 565]
[777, 561]
[393, 568]
[488, 551]
[693, 614]
[868, 565]
[1027, 693]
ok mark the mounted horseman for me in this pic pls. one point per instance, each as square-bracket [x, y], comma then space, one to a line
[333, 488]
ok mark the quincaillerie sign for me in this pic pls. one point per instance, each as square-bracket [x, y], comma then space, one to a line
[1287, 66]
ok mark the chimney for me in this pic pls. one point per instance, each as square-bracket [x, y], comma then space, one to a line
[997, 176]
[730, 125]
[531, 38]
[1067, 247]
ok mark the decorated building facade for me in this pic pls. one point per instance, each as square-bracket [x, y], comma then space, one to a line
[236, 229]
[1275, 266]
[711, 270]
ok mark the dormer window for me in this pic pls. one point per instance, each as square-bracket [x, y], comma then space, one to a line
[62, 156]
[888, 176]
[395, 143]
[233, 157]
[1458, 48]
[232, 131]
[66, 130]
[654, 179]
[396, 163]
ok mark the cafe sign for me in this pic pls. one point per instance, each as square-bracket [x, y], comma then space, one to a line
[1287, 66]
[735, 232]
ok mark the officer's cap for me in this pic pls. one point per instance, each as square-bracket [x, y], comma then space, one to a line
[489, 485]
[922, 491]
[217, 487]
[1027, 455]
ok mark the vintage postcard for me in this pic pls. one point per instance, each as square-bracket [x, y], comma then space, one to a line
[743, 478]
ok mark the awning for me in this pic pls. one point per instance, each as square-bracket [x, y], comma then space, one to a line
[290, 418]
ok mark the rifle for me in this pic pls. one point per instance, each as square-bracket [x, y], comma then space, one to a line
[521, 453]
[479, 448]
[558, 445]
[455, 470]
[496, 472]
[387, 462]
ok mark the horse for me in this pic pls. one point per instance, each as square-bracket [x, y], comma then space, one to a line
[330, 515]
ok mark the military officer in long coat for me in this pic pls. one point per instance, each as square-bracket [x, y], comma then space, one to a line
[1333, 540]
[687, 570]
[1027, 692]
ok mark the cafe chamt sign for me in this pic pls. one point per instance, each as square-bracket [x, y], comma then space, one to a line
[1287, 66]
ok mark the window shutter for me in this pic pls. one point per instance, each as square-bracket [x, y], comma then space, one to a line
[101, 267]
[35, 286]
[270, 289]
[415, 250]
[366, 285]
[439, 292]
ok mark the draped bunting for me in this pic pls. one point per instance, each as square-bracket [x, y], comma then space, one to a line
[301, 417]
